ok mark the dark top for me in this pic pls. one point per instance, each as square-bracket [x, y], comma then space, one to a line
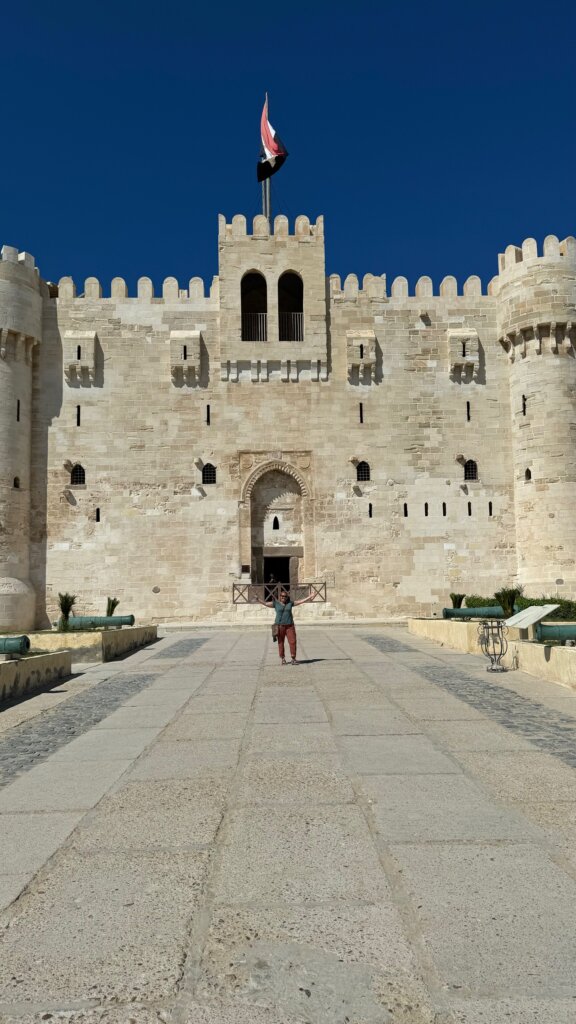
[284, 613]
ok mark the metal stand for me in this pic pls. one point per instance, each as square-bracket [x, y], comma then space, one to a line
[492, 639]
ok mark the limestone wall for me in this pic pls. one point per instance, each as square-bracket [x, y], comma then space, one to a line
[96, 645]
[151, 394]
[31, 674]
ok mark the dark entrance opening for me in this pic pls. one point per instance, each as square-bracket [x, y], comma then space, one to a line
[277, 570]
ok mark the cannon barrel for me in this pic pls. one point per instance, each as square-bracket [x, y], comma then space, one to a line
[99, 621]
[14, 644]
[555, 631]
[489, 612]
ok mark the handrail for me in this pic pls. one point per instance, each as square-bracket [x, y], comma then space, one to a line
[251, 593]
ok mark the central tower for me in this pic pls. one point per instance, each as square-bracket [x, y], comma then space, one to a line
[272, 300]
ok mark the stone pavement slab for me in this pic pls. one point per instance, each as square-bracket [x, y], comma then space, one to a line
[498, 920]
[381, 834]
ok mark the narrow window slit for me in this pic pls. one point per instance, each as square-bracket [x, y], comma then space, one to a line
[443, 508]
[17, 410]
[79, 352]
[524, 404]
[275, 523]
[370, 510]
[97, 516]
[425, 508]
[185, 352]
[405, 510]
[361, 411]
[469, 508]
[468, 411]
[489, 508]
[207, 415]
[77, 415]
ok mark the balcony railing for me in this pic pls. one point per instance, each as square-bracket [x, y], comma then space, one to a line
[291, 327]
[254, 327]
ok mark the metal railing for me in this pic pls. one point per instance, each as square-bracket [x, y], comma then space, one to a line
[291, 327]
[250, 593]
[254, 327]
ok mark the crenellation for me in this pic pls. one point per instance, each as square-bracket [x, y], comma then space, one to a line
[92, 288]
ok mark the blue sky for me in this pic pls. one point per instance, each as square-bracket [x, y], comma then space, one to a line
[429, 135]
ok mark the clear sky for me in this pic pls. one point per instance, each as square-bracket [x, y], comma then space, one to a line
[430, 135]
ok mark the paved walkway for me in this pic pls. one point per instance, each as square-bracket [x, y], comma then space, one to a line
[196, 835]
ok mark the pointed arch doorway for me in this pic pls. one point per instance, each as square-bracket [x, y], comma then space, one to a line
[276, 526]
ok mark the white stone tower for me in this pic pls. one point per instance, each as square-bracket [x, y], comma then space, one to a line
[537, 327]
[20, 330]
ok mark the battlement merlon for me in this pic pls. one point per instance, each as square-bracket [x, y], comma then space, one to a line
[195, 294]
[304, 231]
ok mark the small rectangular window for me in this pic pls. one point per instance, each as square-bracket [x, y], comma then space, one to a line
[468, 411]
[361, 412]
[17, 410]
[208, 415]
[77, 415]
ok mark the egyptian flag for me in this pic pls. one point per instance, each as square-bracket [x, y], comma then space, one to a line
[273, 152]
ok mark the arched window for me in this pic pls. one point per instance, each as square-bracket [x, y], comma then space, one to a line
[17, 482]
[254, 303]
[275, 523]
[470, 470]
[290, 307]
[363, 471]
[77, 476]
[208, 473]
[528, 474]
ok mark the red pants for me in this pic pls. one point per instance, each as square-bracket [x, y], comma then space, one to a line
[290, 632]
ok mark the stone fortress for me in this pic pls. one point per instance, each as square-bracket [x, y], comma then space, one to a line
[398, 445]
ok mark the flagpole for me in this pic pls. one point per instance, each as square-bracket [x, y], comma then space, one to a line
[266, 201]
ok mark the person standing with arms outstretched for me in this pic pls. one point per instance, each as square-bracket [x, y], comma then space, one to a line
[285, 622]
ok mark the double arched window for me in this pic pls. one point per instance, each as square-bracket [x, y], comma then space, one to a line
[363, 471]
[208, 473]
[290, 307]
[254, 304]
[77, 474]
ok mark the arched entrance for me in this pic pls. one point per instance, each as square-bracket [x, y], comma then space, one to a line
[276, 525]
[276, 529]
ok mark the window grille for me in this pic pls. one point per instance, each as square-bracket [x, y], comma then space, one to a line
[78, 475]
[209, 474]
[363, 471]
[470, 470]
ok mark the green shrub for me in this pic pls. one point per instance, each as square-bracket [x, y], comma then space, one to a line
[475, 601]
[457, 600]
[507, 598]
[565, 613]
[66, 603]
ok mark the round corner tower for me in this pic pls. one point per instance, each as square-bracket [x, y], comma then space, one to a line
[20, 330]
[537, 327]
